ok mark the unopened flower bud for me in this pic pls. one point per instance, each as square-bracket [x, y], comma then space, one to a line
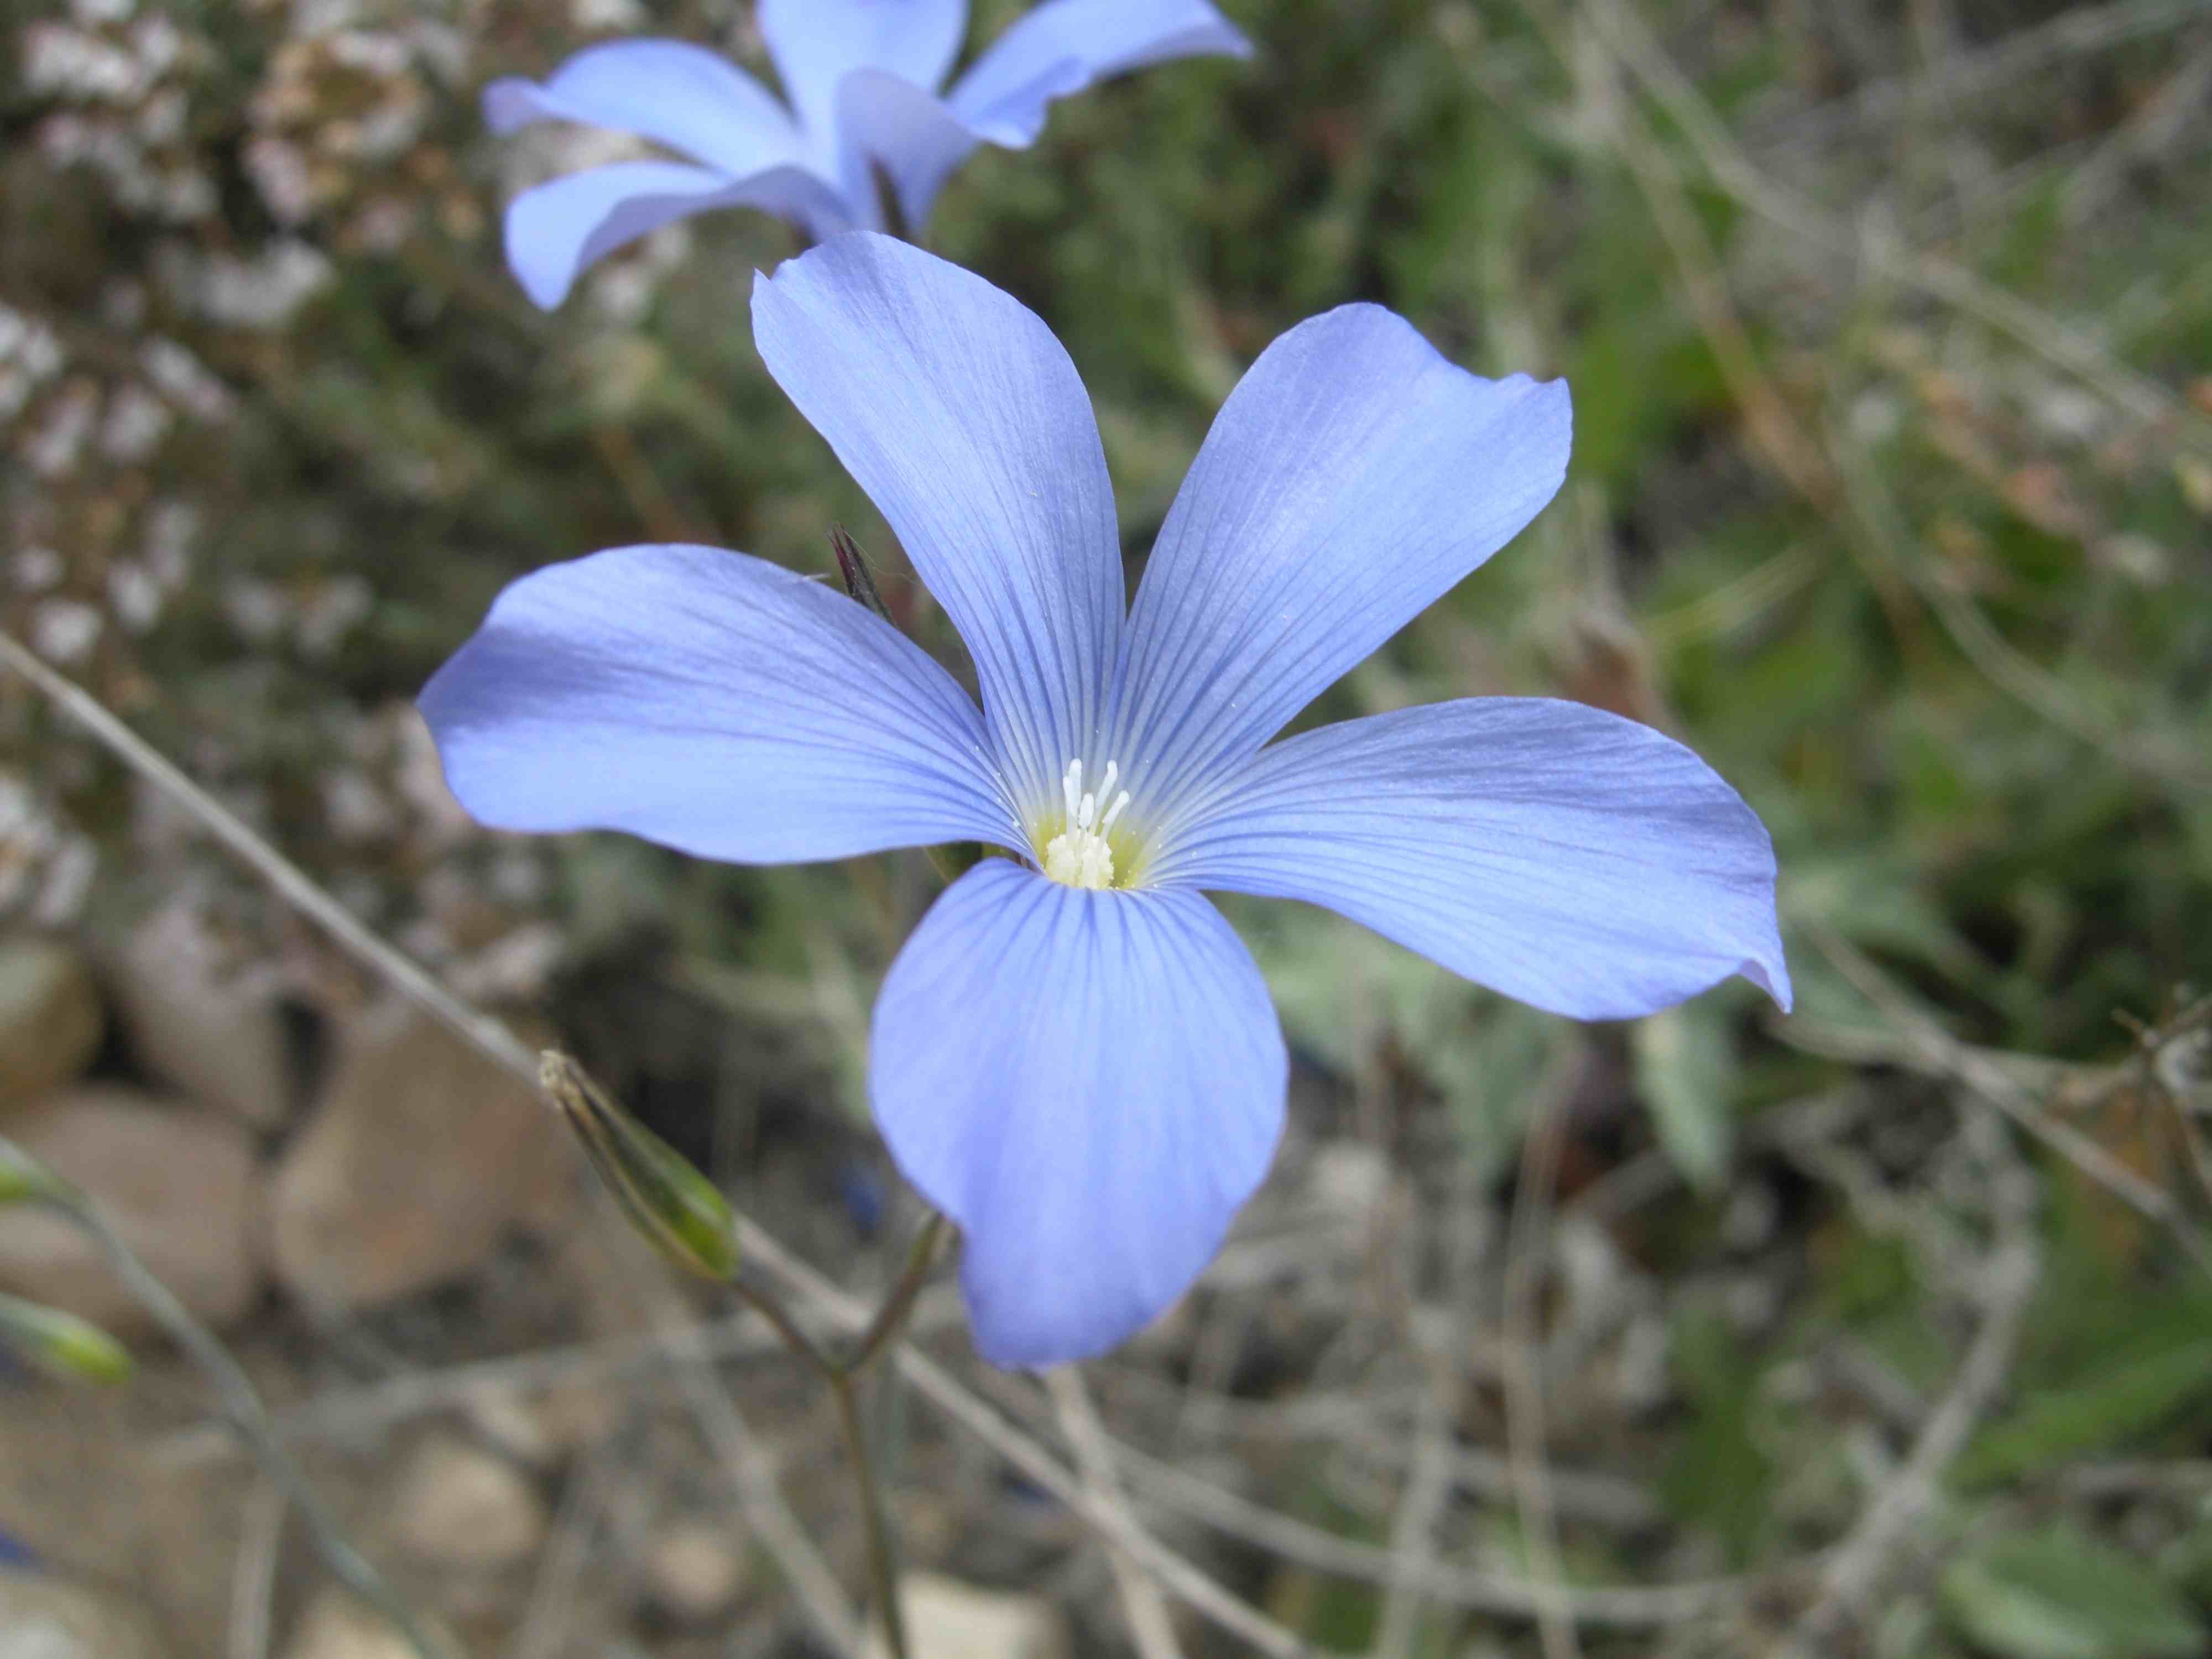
[677, 1208]
[61, 1345]
[24, 1179]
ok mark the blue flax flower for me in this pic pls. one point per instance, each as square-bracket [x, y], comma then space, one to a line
[862, 76]
[1073, 1055]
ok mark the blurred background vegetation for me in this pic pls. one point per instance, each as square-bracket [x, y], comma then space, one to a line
[1889, 328]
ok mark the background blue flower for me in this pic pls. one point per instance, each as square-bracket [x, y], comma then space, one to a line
[1074, 1056]
[862, 77]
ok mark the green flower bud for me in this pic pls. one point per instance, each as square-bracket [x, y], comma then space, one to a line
[61, 1345]
[22, 1178]
[678, 1209]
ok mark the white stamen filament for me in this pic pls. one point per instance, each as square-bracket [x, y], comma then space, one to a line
[1081, 856]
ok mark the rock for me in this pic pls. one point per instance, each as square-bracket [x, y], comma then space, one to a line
[180, 1186]
[948, 1619]
[460, 1507]
[43, 1617]
[694, 1570]
[50, 1017]
[576, 1415]
[418, 1158]
[215, 1035]
[336, 1626]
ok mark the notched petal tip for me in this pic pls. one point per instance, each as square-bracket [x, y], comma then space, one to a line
[1774, 981]
[1770, 971]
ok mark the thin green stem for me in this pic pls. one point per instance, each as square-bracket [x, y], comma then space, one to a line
[764, 1303]
[883, 1563]
[843, 1376]
[891, 1319]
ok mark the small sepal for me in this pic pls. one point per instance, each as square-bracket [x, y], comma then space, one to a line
[61, 1345]
[678, 1209]
[853, 570]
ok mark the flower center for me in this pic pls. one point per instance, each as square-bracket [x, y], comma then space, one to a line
[1081, 853]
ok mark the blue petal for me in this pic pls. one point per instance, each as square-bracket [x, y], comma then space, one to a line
[677, 94]
[816, 43]
[912, 135]
[557, 230]
[1353, 478]
[894, 124]
[959, 414]
[1091, 1084]
[1565, 856]
[712, 702]
[1064, 45]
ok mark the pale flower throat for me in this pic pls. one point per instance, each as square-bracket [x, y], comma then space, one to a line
[1079, 855]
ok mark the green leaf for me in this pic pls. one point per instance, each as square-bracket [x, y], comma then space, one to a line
[2062, 1595]
[1686, 1066]
[1719, 1474]
[2132, 1395]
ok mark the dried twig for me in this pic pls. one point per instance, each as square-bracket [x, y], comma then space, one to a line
[2072, 33]
[1736, 174]
[248, 1417]
[339, 1413]
[1442, 1349]
[253, 1582]
[1149, 1625]
[1525, 1386]
[751, 1471]
[1412, 1530]
[480, 1032]
[1159, 1484]
[1853, 1572]
[2026, 682]
[1177, 1576]
[1924, 1044]
[549, 1619]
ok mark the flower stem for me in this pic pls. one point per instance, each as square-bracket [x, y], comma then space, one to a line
[891, 1319]
[883, 1563]
[764, 1303]
[843, 1374]
[844, 1381]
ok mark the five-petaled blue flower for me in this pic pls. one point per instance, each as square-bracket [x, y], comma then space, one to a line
[1074, 1056]
[862, 78]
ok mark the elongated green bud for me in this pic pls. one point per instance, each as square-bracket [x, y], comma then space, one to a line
[677, 1208]
[23, 1178]
[61, 1345]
